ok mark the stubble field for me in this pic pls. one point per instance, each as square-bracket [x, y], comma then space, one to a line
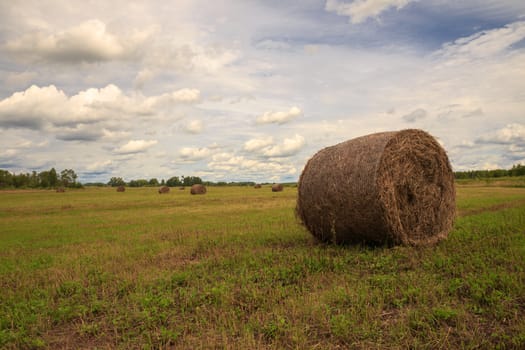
[94, 268]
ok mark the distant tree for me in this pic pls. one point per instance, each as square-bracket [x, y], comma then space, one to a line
[116, 181]
[34, 180]
[174, 182]
[68, 178]
[53, 177]
[153, 182]
[6, 179]
[517, 170]
[138, 183]
[162, 182]
[191, 180]
[43, 176]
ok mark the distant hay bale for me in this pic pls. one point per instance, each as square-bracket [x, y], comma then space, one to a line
[182, 188]
[61, 189]
[164, 189]
[198, 189]
[277, 188]
[257, 186]
[390, 187]
[121, 189]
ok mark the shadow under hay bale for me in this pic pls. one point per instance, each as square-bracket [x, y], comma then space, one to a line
[390, 187]
[257, 186]
[121, 189]
[164, 189]
[277, 188]
[198, 189]
[60, 189]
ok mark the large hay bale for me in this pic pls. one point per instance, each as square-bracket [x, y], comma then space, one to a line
[164, 189]
[277, 188]
[390, 187]
[198, 189]
[121, 189]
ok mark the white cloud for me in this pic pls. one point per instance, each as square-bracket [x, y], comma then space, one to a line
[88, 42]
[166, 100]
[135, 146]
[99, 165]
[10, 152]
[473, 113]
[186, 95]
[249, 169]
[33, 107]
[81, 132]
[192, 154]
[212, 59]
[258, 144]
[142, 77]
[88, 115]
[272, 45]
[359, 10]
[485, 43]
[510, 134]
[279, 117]
[193, 127]
[489, 166]
[416, 114]
[36, 107]
[265, 146]
[287, 148]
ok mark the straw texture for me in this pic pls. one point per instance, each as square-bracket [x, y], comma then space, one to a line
[198, 189]
[391, 187]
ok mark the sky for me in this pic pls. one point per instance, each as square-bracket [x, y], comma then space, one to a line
[249, 90]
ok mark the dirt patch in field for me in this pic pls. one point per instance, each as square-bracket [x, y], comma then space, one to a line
[67, 336]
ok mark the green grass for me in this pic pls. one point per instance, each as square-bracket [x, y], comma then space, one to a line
[95, 268]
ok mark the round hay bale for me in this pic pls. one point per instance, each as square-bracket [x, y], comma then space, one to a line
[257, 186]
[198, 189]
[61, 189]
[121, 189]
[391, 187]
[182, 188]
[164, 189]
[277, 188]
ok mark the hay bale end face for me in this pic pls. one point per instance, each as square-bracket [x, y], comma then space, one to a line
[164, 189]
[121, 189]
[390, 187]
[277, 188]
[198, 189]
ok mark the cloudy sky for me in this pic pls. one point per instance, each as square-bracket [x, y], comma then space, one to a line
[249, 90]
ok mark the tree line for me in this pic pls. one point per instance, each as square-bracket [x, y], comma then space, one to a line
[516, 170]
[174, 181]
[44, 179]
[68, 178]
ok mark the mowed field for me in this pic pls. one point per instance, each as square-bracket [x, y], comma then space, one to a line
[233, 269]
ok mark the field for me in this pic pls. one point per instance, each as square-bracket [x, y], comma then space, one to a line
[233, 269]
